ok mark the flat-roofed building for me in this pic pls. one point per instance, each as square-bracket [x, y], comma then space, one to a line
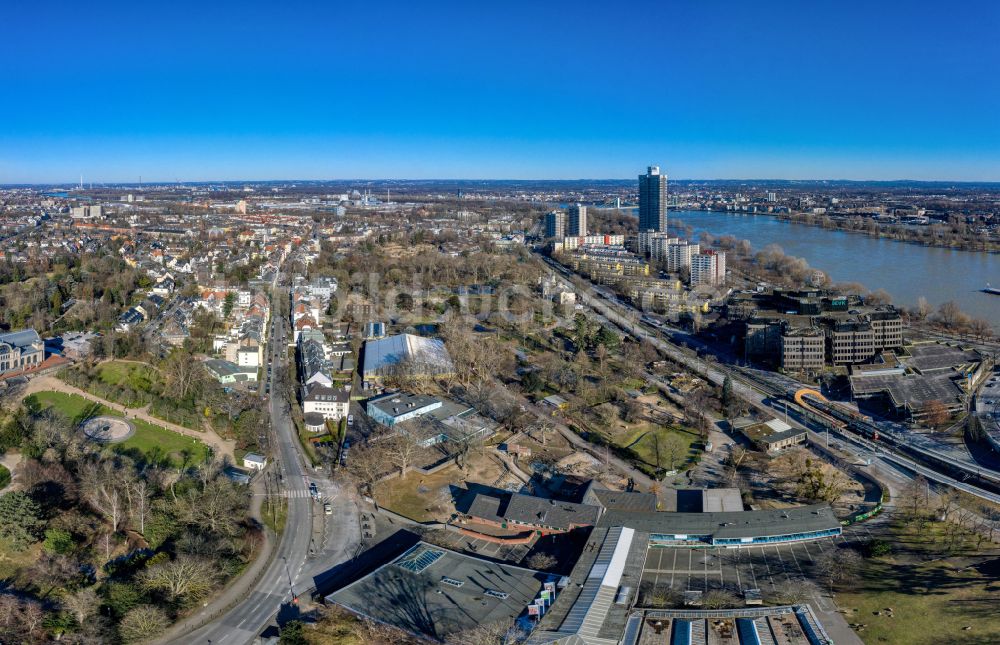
[653, 200]
[679, 254]
[654, 243]
[555, 224]
[396, 407]
[803, 350]
[851, 342]
[576, 220]
[708, 268]
[434, 593]
[771, 436]
[887, 329]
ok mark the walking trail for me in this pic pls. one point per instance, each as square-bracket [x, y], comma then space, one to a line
[50, 383]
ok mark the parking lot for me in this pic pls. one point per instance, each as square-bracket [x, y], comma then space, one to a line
[764, 567]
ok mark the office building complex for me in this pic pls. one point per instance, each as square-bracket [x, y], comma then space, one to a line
[653, 200]
[576, 220]
[803, 350]
[851, 343]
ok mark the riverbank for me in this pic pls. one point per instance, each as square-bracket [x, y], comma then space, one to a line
[909, 272]
[882, 231]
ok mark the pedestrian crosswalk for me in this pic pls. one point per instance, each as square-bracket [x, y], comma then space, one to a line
[298, 492]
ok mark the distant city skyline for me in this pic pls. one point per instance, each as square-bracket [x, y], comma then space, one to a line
[725, 90]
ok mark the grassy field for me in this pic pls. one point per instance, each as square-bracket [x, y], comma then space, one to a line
[152, 441]
[13, 561]
[134, 375]
[932, 600]
[643, 438]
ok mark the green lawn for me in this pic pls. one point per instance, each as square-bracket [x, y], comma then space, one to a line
[931, 602]
[154, 442]
[932, 598]
[134, 375]
[643, 438]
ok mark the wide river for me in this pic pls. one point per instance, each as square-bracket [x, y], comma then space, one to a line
[907, 271]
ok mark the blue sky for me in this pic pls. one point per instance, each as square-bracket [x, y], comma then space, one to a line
[707, 89]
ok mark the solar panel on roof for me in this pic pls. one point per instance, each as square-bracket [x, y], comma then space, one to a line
[418, 558]
[496, 594]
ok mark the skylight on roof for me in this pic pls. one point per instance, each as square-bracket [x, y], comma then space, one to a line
[419, 558]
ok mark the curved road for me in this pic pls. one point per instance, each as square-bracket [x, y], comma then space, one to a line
[280, 581]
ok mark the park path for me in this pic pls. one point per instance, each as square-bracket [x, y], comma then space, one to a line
[50, 383]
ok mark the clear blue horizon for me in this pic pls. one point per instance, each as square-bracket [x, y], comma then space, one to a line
[723, 90]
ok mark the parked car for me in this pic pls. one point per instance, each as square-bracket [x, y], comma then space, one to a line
[328, 508]
[350, 419]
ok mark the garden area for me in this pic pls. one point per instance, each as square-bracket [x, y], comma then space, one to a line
[111, 543]
[178, 390]
[151, 443]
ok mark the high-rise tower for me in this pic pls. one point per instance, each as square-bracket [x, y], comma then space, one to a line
[653, 200]
[576, 220]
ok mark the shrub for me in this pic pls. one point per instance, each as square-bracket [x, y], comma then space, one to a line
[58, 541]
[876, 548]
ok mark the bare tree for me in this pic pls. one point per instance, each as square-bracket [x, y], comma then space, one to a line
[102, 487]
[948, 314]
[838, 566]
[142, 623]
[719, 599]
[935, 413]
[495, 633]
[542, 561]
[367, 463]
[218, 508]
[913, 498]
[673, 448]
[183, 375]
[186, 578]
[400, 448]
[82, 604]
[980, 328]
[923, 309]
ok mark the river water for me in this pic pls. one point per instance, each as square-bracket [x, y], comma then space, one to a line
[906, 271]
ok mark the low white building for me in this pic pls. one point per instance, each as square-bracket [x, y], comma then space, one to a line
[253, 461]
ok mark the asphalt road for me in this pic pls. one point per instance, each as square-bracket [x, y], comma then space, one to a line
[283, 579]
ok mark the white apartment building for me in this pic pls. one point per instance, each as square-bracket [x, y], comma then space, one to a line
[654, 243]
[708, 268]
[680, 253]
